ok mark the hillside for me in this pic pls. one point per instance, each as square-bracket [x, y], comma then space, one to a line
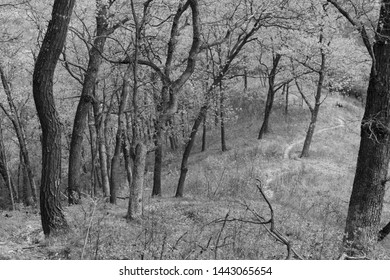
[309, 198]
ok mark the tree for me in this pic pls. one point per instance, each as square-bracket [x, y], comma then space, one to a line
[366, 202]
[87, 98]
[4, 172]
[238, 38]
[14, 117]
[53, 220]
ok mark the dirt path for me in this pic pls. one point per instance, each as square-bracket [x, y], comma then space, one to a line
[288, 149]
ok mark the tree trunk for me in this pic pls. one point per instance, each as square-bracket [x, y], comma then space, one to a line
[20, 134]
[120, 136]
[365, 206]
[101, 146]
[245, 80]
[4, 169]
[93, 137]
[157, 162]
[86, 99]
[24, 184]
[286, 89]
[384, 232]
[53, 220]
[136, 188]
[204, 139]
[270, 96]
[314, 111]
[310, 132]
[187, 150]
[222, 117]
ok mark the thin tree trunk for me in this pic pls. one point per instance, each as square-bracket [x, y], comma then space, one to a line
[25, 193]
[93, 139]
[157, 162]
[136, 188]
[204, 135]
[187, 150]
[222, 117]
[86, 99]
[270, 96]
[20, 133]
[286, 89]
[245, 80]
[310, 132]
[101, 146]
[4, 169]
[53, 220]
[314, 111]
[120, 136]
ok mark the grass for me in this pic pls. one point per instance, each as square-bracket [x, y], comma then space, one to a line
[309, 197]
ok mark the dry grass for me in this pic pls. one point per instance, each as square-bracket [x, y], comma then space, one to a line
[309, 196]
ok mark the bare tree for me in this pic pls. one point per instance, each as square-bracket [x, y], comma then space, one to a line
[53, 220]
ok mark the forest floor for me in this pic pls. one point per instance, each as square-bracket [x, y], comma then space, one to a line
[309, 199]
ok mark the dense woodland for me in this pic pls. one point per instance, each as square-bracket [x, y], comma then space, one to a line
[188, 129]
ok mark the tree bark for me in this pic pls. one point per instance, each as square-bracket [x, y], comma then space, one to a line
[137, 185]
[270, 96]
[86, 99]
[365, 206]
[53, 220]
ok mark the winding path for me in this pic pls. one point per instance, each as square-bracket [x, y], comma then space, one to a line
[288, 149]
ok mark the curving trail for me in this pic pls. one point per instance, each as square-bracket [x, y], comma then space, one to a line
[286, 154]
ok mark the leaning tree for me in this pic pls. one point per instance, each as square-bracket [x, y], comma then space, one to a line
[53, 220]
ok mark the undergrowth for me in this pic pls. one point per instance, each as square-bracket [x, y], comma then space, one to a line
[309, 199]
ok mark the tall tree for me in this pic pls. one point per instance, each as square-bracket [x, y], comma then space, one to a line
[366, 202]
[238, 38]
[53, 220]
[15, 119]
[103, 29]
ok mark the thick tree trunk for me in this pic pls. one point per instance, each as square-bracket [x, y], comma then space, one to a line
[270, 96]
[365, 206]
[53, 220]
[136, 188]
[86, 99]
